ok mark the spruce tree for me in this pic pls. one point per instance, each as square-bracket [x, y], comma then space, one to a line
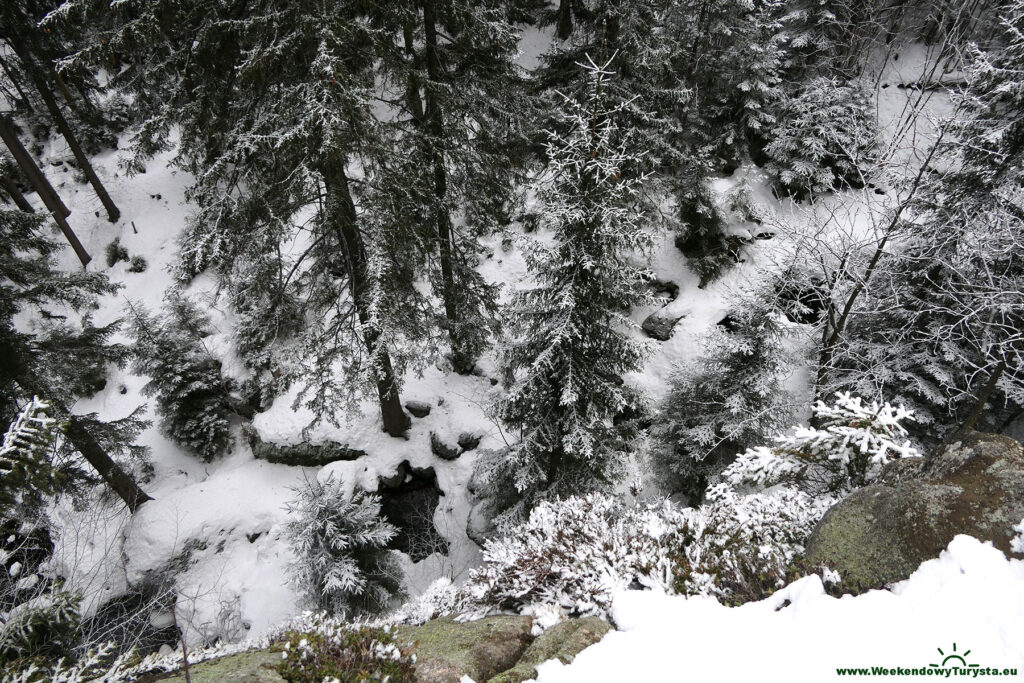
[194, 399]
[729, 400]
[569, 331]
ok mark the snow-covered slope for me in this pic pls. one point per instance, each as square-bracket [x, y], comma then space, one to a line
[960, 610]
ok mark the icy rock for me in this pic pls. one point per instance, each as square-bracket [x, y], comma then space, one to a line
[418, 408]
[879, 534]
[659, 326]
[302, 454]
[442, 448]
[244, 667]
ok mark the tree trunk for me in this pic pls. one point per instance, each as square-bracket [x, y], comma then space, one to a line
[564, 29]
[11, 188]
[341, 215]
[979, 405]
[462, 357]
[42, 186]
[113, 213]
[25, 53]
[119, 481]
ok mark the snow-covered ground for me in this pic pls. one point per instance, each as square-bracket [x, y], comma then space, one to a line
[229, 514]
[960, 610]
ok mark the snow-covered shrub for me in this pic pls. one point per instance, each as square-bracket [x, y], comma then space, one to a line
[728, 401]
[193, 397]
[849, 449]
[440, 598]
[702, 238]
[575, 553]
[572, 553]
[43, 629]
[115, 253]
[340, 541]
[825, 139]
[319, 649]
[1017, 542]
[741, 548]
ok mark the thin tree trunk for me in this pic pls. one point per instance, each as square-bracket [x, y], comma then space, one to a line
[979, 406]
[30, 170]
[113, 213]
[342, 216]
[119, 481]
[17, 86]
[462, 357]
[564, 29]
[43, 187]
[11, 188]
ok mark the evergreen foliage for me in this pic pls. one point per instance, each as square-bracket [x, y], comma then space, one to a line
[825, 140]
[847, 449]
[341, 541]
[570, 344]
[193, 397]
[729, 400]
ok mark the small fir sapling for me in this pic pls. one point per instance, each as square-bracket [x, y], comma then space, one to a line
[341, 540]
[193, 397]
[115, 252]
[848, 449]
[729, 400]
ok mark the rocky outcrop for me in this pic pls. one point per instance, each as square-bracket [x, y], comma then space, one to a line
[881, 533]
[302, 454]
[447, 650]
[418, 408]
[562, 641]
[258, 666]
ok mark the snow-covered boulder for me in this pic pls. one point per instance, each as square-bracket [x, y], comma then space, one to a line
[879, 534]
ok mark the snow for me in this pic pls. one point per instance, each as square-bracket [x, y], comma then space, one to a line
[971, 596]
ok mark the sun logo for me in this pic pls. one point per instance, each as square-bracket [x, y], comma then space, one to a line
[957, 658]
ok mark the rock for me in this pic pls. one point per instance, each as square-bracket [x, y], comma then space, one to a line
[443, 449]
[664, 287]
[881, 533]
[564, 641]
[418, 408]
[245, 667]
[659, 325]
[447, 650]
[480, 526]
[303, 454]
[468, 441]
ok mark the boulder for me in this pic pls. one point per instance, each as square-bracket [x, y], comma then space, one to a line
[881, 533]
[468, 441]
[447, 650]
[258, 666]
[563, 641]
[659, 326]
[302, 454]
[442, 448]
[418, 408]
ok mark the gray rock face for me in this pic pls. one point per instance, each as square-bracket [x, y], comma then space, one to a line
[563, 641]
[447, 650]
[303, 454]
[881, 533]
[659, 326]
[418, 408]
